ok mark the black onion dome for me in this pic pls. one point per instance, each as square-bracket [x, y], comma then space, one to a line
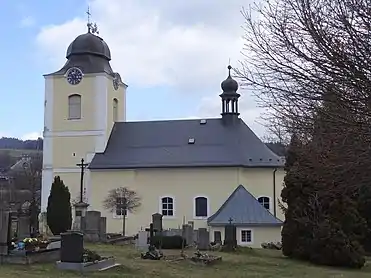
[229, 85]
[89, 44]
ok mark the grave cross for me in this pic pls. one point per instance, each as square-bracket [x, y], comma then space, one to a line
[230, 220]
[151, 231]
[82, 165]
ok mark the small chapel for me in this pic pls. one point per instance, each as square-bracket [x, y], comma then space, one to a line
[208, 171]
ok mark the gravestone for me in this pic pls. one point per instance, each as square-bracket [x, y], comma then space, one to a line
[151, 231]
[230, 240]
[5, 232]
[72, 247]
[217, 237]
[187, 234]
[92, 225]
[102, 228]
[80, 212]
[157, 221]
[142, 241]
[23, 227]
[203, 239]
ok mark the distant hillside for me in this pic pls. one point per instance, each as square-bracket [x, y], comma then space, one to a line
[20, 147]
[18, 144]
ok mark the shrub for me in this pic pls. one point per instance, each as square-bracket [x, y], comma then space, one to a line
[169, 242]
[59, 215]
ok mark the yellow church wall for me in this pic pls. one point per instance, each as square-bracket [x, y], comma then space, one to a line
[259, 235]
[183, 185]
[67, 151]
[263, 178]
[62, 89]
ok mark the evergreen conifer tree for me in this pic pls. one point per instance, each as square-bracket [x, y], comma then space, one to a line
[59, 215]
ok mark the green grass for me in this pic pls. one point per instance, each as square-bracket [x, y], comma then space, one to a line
[250, 263]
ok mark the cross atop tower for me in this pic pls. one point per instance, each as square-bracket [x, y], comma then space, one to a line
[92, 27]
[89, 23]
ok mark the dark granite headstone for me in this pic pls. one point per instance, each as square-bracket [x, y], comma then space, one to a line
[157, 221]
[72, 247]
[5, 232]
[217, 236]
[230, 240]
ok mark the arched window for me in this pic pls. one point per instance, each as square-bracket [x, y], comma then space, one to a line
[74, 107]
[167, 206]
[115, 104]
[265, 202]
[201, 207]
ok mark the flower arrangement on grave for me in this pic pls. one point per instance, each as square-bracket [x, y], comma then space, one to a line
[34, 244]
[91, 256]
[30, 243]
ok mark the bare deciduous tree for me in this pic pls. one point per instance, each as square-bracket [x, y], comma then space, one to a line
[121, 201]
[295, 50]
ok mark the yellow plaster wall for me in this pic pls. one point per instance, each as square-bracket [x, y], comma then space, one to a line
[182, 184]
[62, 89]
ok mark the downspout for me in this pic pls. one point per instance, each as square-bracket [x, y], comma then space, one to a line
[274, 193]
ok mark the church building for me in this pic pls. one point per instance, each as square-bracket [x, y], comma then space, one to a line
[209, 171]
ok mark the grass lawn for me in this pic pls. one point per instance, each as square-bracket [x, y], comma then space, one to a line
[249, 263]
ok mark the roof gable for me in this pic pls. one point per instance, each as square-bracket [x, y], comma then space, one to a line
[156, 144]
[244, 209]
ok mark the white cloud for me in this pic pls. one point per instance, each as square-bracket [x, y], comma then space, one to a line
[164, 43]
[31, 136]
[27, 21]
[184, 44]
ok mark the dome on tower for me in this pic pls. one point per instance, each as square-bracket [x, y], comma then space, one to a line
[89, 44]
[229, 85]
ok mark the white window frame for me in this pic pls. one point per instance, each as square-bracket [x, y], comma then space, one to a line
[252, 237]
[160, 206]
[194, 207]
[269, 201]
[75, 104]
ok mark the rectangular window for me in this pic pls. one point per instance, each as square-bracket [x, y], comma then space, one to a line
[120, 207]
[201, 207]
[246, 236]
[167, 206]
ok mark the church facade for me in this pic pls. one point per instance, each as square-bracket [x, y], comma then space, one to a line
[207, 171]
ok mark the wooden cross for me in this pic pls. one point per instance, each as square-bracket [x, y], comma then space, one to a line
[82, 165]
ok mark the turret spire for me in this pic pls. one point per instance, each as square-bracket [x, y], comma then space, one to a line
[229, 97]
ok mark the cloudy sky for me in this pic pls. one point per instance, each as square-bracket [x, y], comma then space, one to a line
[172, 54]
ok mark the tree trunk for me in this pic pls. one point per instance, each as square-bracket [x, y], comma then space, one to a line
[123, 224]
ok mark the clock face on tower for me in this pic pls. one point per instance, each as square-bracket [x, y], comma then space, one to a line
[74, 76]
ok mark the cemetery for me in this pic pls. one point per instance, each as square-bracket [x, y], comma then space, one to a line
[167, 253]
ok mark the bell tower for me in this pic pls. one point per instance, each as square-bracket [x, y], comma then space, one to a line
[82, 101]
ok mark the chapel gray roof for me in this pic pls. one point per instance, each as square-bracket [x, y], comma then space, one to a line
[165, 144]
[244, 209]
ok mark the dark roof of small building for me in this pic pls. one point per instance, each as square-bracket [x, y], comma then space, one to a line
[184, 143]
[244, 210]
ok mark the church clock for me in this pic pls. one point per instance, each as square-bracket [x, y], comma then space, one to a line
[74, 75]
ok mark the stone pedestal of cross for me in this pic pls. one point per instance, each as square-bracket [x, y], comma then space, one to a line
[81, 207]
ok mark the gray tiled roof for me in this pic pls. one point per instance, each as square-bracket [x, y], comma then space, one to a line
[244, 209]
[157, 144]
